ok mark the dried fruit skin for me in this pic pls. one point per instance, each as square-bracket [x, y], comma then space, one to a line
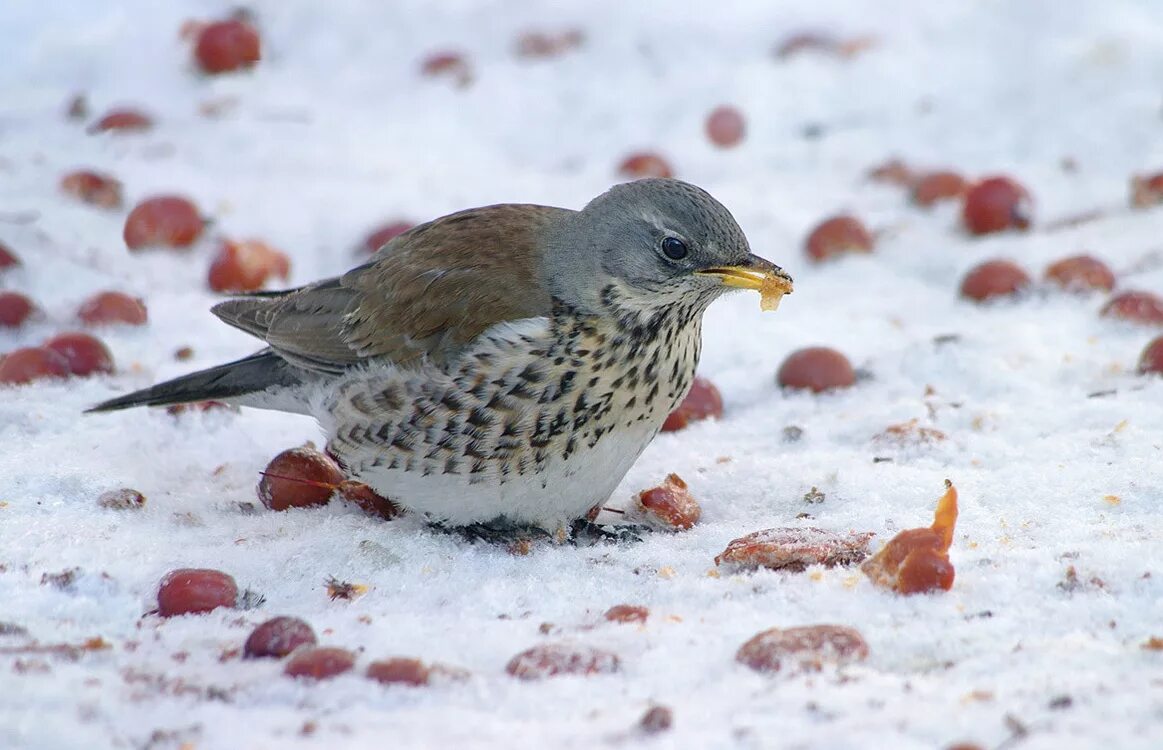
[924, 570]
[1135, 307]
[702, 401]
[246, 266]
[645, 164]
[996, 204]
[84, 353]
[163, 221]
[627, 613]
[195, 591]
[31, 363]
[1080, 273]
[994, 278]
[938, 186]
[299, 478]
[794, 549]
[836, 236]
[278, 637]
[726, 127]
[670, 504]
[552, 659]
[319, 663]
[224, 46]
[816, 368]
[122, 121]
[803, 649]
[917, 560]
[1151, 360]
[540, 44]
[113, 307]
[15, 308]
[385, 234]
[450, 64]
[93, 187]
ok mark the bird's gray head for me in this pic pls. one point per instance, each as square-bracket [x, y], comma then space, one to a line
[650, 244]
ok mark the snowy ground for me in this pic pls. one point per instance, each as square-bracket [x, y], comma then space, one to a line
[335, 131]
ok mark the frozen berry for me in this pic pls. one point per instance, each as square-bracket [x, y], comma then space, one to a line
[194, 591]
[31, 363]
[399, 671]
[1136, 307]
[938, 186]
[669, 505]
[451, 65]
[122, 121]
[84, 353]
[224, 46]
[627, 613]
[1151, 360]
[1146, 190]
[299, 478]
[385, 234]
[1080, 273]
[645, 164]
[319, 663]
[246, 266]
[702, 402]
[163, 221]
[278, 637]
[540, 44]
[93, 188]
[552, 659]
[994, 278]
[925, 570]
[8, 258]
[996, 204]
[803, 649]
[837, 236]
[113, 307]
[816, 368]
[726, 127]
[15, 308]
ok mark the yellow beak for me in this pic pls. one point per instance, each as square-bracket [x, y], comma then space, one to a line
[771, 281]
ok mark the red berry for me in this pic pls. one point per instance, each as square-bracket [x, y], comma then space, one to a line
[385, 234]
[224, 46]
[122, 121]
[938, 186]
[299, 478]
[15, 308]
[994, 278]
[246, 266]
[702, 402]
[319, 663]
[1081, 273]
[163, 221]
[278, 637]
[645, 164]
[93, 187]
[84, 353]
[1136, 307]
[726, 127]
[32, 363]
[836, 236]
[113, 307]
[1146, 190]
[816, 368]
[8, 258]
[399, 671]
[194, 591]
[996, 204]
[1151, 360]
[450, 65]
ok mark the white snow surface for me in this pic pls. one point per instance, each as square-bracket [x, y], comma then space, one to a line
[335, 131]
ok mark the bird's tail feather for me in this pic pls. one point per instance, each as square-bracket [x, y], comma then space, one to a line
[258, 372]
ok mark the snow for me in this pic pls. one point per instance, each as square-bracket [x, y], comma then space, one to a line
[335, 132]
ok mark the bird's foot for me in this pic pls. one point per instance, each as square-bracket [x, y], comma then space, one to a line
[580, 533]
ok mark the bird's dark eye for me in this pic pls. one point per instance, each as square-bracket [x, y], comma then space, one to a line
[674, 248]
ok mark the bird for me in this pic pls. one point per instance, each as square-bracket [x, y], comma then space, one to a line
[500, 365]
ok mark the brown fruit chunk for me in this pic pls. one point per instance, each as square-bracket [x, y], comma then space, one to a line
[451, 65]
[1146, 190]
[645, 164]
[552, 659]
[122, 499]
[15, 308]
[1151, 360]
[994, 278]
[84, 353]
[113, 307]
[367, 499]
[816, 368]
[996, 204]
[298, 478]
[804, 649]
[278, 637]
[1081, 273]
[405, 671]
[656, 720]
[627, 613]
[934, 187]
[163, 221]
[246, 266]
[224, 46]
[794, 549]
[8, 258]
[726, 127]
[319, 663]
[31, 363]
[540, 44]
[836, 236]
[1136, 307]
[917, 560]
[892, 172]
[702, 401]
[385, 234]
[93, 188]
[122, 121]
[669, 505]
[195, 591]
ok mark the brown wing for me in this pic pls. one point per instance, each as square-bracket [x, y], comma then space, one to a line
[426, 293]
